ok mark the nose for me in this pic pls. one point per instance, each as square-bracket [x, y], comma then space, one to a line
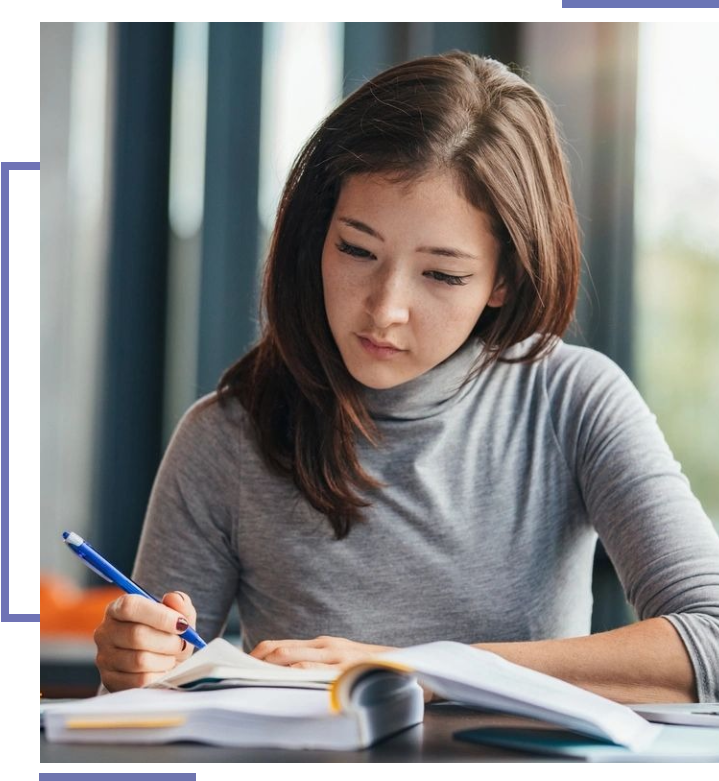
[388, 301]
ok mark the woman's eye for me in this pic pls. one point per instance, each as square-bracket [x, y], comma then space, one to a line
[439, 276]
[355, 252]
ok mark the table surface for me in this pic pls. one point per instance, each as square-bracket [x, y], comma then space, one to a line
[428, 742]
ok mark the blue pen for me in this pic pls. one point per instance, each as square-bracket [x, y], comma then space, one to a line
[92, 559]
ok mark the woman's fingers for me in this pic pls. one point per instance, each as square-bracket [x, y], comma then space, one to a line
[117, 681]
[179, 601]
[266, 647]
[135, 609]
[287, 653]
[124, 661]
[324, 650]
[139, 639]
[142, 637]
[313, 666]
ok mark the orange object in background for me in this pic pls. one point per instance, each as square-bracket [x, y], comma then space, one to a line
[69, 611]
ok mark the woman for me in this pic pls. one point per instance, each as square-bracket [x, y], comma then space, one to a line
[410, 453]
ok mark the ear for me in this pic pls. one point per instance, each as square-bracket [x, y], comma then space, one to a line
[499, 294]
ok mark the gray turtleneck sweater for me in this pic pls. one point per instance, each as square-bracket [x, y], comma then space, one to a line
[485, 532]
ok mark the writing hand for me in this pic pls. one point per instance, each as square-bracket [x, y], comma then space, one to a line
[138, 640]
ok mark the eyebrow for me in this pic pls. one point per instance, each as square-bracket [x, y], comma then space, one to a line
[446, 252]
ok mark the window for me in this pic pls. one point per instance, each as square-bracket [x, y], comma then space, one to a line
[301, 83]
[76, 68]
[677, 250]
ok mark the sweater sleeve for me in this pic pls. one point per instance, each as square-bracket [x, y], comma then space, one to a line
[187, 537]
[662, 544]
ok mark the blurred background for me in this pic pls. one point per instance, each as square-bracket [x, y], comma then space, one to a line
[164, 149]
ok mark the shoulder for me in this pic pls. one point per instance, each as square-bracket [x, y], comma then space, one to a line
[585, 388]
[577, 384]
[210, 431]
[580, 367]
[210, 412]
[565, 368]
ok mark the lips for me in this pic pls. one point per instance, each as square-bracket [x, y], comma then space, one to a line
[380, 343]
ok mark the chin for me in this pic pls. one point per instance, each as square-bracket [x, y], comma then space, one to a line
[380, 385]
[377, 375]
[380, 380]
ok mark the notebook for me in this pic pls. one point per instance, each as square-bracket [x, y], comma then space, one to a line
[670, 744]
[365, 703]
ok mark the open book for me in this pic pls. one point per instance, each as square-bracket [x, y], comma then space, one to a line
[364, 704]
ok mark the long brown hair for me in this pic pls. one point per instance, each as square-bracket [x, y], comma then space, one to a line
[457, 112]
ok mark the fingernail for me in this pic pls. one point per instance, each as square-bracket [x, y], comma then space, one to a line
[181, 625]
[180, 594]
[184, 644]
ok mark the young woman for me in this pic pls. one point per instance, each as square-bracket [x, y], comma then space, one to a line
[411, 453]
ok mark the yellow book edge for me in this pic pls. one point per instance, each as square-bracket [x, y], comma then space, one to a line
[342, 685]
[130, 722]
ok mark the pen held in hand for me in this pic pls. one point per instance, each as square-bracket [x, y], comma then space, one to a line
[100, 566]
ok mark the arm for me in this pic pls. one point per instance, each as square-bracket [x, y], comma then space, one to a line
[186, 542]
[644, 662]
[663, 546]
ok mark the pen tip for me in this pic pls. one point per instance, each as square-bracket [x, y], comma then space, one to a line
[65, 535]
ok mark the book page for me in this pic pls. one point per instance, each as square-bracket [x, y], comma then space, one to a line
[483, 679]
[220, 659]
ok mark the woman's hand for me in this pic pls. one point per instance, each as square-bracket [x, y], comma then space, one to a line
[321, 652]
[138, 640]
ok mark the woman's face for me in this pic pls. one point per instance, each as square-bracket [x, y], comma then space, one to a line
[412, 266]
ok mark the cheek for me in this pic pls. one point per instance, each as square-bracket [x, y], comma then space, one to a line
[454, 307]
[340, 289]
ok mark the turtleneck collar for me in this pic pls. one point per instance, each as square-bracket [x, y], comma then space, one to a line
[429, 394]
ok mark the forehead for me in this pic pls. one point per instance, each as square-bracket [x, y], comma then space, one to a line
[389, 186]
[432, 205]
